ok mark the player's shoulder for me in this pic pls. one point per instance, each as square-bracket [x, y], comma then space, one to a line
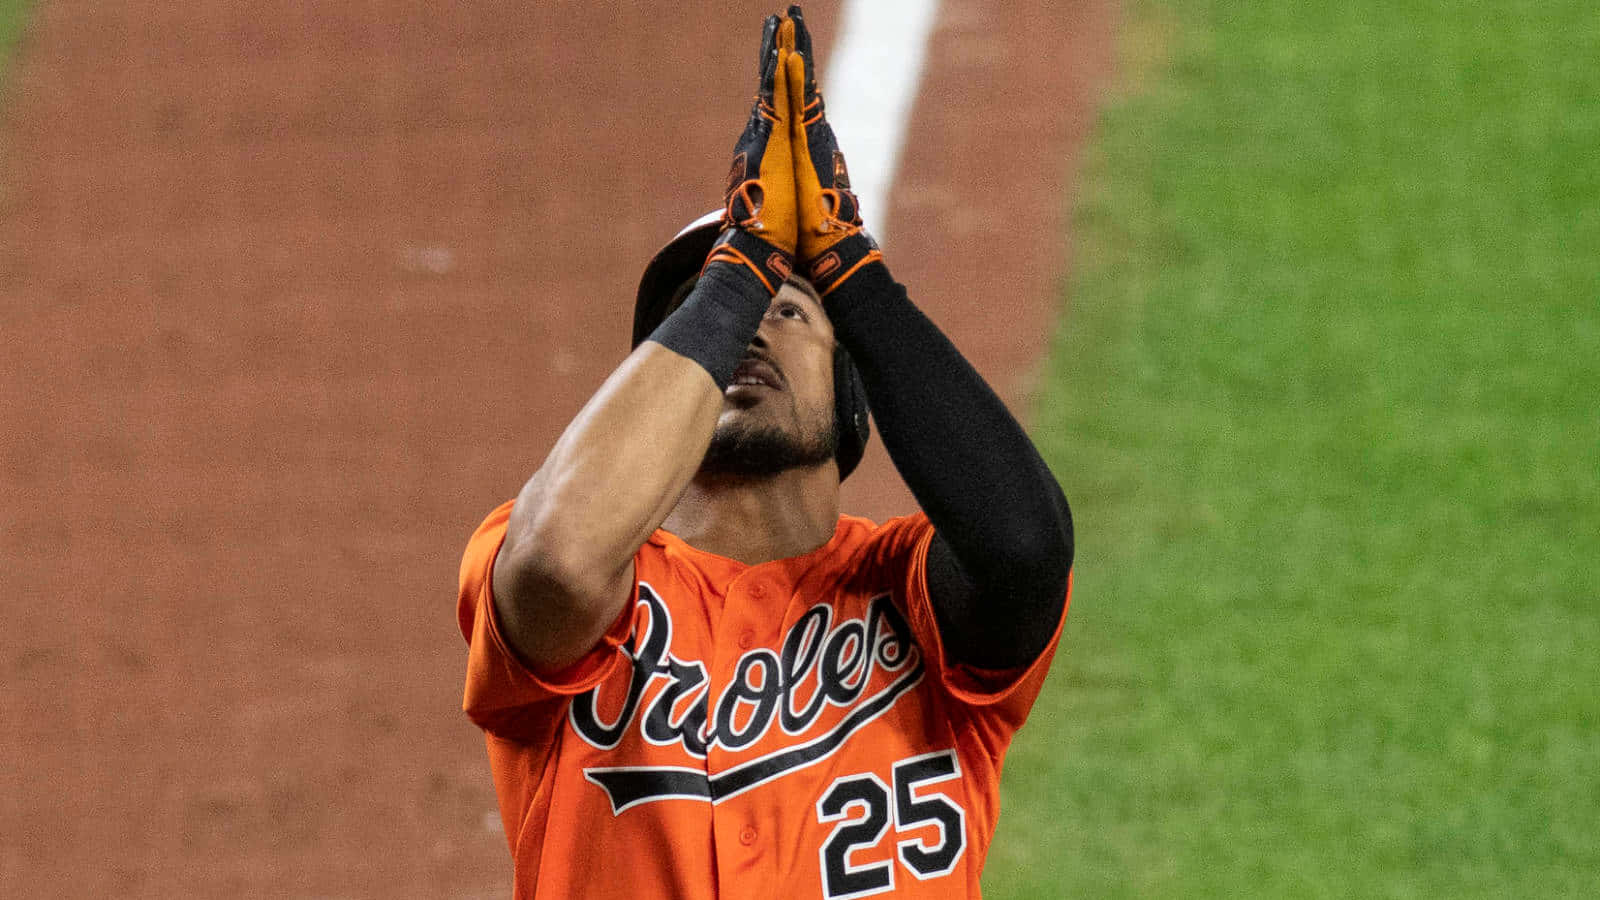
[494, 522]
[858, 536]
[862, 546]
[856, 540]
[892, 533]
[485, 542]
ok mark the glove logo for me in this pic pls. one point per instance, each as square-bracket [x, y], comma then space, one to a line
[778, 263]
[824, 265]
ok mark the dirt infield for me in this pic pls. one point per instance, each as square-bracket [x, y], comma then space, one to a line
[291, 294]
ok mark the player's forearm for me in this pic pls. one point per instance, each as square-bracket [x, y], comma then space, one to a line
[967, 460]
[564, 569]
[618, 468]
[623, 462]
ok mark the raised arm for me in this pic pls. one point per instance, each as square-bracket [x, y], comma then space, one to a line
[1003, 543]
[565, 569]
[997, 568]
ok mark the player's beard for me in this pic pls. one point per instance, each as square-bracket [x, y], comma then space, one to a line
[741, 450]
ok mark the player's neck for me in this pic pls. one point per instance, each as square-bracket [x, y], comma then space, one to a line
[759, 520]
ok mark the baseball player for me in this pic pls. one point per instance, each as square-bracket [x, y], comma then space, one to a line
[697, 678]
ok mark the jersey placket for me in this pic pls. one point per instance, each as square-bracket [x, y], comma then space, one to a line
[745, 625]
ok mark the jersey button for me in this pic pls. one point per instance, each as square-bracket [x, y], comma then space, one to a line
[747, 639]
[747, 837]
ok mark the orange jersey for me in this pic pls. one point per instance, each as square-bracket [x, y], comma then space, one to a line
[785, 730]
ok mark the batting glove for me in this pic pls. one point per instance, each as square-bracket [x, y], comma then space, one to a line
[759, 217]
[831, 243]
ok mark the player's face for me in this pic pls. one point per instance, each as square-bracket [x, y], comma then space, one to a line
[778, 412]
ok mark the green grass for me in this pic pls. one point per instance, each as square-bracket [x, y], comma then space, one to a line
[1327, 403]
[12, 13]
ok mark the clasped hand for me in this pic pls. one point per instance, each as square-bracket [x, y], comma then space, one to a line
[788, 187]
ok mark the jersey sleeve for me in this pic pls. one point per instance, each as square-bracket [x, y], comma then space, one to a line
[504, 696]
[1000, 697]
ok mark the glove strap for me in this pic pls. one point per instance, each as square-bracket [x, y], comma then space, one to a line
[844, 259]
[741, 249]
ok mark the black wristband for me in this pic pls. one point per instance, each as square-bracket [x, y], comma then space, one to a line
[716, 321]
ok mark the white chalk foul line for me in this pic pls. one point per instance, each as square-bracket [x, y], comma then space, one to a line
[870, 86]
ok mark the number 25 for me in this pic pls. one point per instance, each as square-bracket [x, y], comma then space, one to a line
[870, 798]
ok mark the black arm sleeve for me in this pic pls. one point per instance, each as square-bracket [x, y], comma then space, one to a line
[1002, 549]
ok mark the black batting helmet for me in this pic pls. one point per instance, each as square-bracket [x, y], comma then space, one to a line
[666, 281]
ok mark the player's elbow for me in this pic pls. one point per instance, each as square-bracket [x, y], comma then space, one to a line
[1056, 538]
[1040, 545]
[553, 604]
[553, 566]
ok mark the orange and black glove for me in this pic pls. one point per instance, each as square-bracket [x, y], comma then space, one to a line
[831, 243]
[759, 221]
